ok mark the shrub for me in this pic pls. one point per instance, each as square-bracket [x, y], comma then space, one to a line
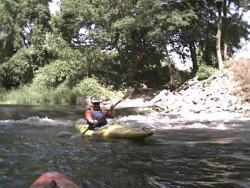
[90, 87]
[204, 72]
[63, 95]
[2, 93]
[178, 81]
[238, 77]
[17, 71]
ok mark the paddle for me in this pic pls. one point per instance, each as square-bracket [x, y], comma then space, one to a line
[128, 94]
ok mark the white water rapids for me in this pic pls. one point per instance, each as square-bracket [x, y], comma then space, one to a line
[154, 121]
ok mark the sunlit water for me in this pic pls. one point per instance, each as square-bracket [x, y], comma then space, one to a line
[187, 150]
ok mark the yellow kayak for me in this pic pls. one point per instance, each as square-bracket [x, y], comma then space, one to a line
[115, 131]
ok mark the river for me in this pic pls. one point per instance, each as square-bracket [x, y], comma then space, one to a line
[186, 150]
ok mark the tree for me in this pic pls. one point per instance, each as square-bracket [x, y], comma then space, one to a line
[229, 19]
[138, 31]
[170, 21]
[119, 38]
[196, 35]
[69, 20]
[23, 28]
[123, 41]
[232, 20]
[11, 38]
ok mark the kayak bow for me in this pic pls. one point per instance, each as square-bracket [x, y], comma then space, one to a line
[53, 179]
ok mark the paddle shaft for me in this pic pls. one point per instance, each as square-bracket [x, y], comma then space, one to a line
[109, 110]
[128, 94]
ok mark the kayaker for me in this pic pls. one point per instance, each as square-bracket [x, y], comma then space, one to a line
[95, 116]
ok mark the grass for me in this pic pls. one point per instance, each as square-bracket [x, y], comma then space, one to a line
[63, 95]
[238, 77]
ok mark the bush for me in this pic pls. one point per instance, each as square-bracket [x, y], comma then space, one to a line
[204, 72]
[17, 71]
[90, 87]
[24, 95]
[2, 93]
[36, 94]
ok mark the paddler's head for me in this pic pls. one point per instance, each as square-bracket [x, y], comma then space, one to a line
[96, 102]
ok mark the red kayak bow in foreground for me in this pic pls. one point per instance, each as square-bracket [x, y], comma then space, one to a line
[53, 179]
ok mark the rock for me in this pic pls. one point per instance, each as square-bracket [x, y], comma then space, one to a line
[83, 101]
[64, 134]
[219, 93]
[222, 92]
[246, 88]
[159, 97]
[19, 113]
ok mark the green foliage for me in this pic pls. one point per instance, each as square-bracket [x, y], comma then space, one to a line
[204, 72]
[68, 68]
[23, 23]
[17, 71]
[179, 77]
[238, 76]
[62, 94]
[69, 21]
[90, 87]
[3, 94]
[178, 81]
[23, 95]
[23, 27]
[51, 75]
[37, 95]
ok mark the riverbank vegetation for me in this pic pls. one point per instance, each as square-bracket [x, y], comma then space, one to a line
[103, 47]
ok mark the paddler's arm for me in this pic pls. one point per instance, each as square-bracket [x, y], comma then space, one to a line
[88, 117]
[111, 112]
[112, 107]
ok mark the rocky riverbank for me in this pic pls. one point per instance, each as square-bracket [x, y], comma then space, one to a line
[225, 91]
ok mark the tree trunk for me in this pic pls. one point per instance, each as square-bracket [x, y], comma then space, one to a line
[225, 30]
[171, 77]
[218, 37]
[226, 57]
[194, 58]
[170, 70]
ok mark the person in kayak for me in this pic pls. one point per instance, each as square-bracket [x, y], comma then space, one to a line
[96, 117]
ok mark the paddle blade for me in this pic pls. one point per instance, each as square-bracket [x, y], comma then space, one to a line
[82, 128]
[128, 94]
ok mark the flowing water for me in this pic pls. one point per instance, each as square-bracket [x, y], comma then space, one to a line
[187, 150]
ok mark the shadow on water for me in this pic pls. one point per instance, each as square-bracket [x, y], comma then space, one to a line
[17, 112]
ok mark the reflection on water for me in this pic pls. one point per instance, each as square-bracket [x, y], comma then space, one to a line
[185, 151]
